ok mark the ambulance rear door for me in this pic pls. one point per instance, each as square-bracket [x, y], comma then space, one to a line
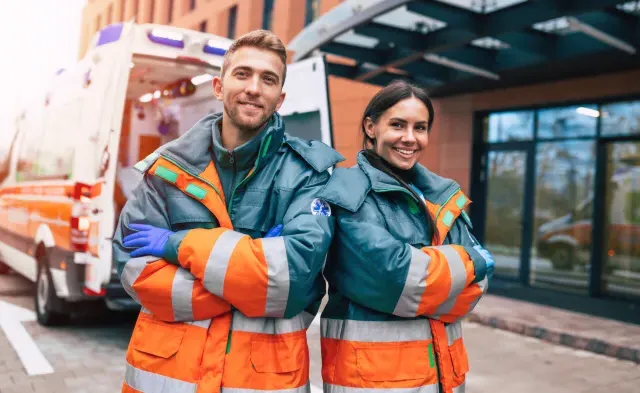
[306, 108]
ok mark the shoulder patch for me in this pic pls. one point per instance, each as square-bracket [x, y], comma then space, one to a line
[347, 188]
[320, 208]
[315, 153]
[146, 163]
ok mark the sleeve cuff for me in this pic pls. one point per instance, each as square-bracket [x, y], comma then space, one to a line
[170, 251]
[479, 263]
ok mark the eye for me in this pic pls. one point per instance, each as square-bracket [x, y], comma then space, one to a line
[270, 80]
[242, 74]
[421, 128]
[396, 124]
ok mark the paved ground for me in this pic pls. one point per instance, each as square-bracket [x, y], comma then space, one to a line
[90, 359]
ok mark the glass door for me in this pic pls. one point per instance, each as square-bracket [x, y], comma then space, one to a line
[621, 256]
[507, 234]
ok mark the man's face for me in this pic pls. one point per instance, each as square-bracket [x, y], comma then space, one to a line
[251, 87]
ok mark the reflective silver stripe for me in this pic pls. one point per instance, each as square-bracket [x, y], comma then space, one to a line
[218, 261]
[483, 284]
[458, 278]
[147, 382]
[132, 270]
[414, 285]
[454, 331]
[376, 331]
[328, 388]
[459, 389]
[302, 389]
[203, 323]
[278, 276]
[242, 323]
[181, 294]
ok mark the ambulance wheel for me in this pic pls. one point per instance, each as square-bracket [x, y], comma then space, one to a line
[47, 304]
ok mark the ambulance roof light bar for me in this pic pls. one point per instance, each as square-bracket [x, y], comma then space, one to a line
[166, 37]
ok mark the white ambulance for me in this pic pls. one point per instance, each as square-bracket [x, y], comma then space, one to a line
[69, 170]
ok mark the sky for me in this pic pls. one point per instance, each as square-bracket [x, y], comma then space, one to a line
[37, 38]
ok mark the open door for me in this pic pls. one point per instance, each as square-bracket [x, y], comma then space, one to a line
[306, 108]
[107, 66]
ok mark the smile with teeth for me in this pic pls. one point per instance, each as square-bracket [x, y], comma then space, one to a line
[405, 152]
[251, 105]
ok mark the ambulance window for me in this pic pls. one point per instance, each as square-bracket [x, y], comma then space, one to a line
[304, 125]
[31, 126]
[55, 157]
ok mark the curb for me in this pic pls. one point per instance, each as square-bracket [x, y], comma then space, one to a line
[559, 337]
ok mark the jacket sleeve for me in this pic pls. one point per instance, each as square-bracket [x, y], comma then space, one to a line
[167, 291]
[374, 269]
[267, 277]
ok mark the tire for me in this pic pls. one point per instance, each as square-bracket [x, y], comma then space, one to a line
[562, 257]
[49, 307]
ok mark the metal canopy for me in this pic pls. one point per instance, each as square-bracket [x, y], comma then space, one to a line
[458, 46]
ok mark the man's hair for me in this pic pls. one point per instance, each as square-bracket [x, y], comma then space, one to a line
[260, 39]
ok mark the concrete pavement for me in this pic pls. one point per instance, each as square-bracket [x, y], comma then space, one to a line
[90, 358]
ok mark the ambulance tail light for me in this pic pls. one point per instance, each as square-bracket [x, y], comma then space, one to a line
[80, 217]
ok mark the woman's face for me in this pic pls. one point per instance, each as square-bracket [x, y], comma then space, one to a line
[401, 133]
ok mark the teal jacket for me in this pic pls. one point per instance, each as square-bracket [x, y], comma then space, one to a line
[281, 187]
[396, 297]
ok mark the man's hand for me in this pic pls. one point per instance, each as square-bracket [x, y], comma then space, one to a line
[148, 240]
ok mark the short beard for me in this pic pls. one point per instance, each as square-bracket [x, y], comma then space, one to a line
[232, 112]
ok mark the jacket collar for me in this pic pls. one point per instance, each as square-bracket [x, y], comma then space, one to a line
[435, 189]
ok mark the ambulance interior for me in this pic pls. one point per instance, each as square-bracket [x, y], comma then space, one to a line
[164, 99]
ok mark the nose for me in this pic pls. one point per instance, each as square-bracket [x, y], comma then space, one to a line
[409, 137]
[253, 86]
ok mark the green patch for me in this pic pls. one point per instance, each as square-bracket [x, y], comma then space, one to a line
[432, 358]
[448, 219]
[413, 207]
[460, 202]
[265, 147]
[196, 191]
[166, 174]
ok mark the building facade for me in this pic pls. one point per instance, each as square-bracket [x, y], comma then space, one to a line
[553, 168]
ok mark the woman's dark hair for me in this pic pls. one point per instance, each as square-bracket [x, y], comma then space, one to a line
[390, 95]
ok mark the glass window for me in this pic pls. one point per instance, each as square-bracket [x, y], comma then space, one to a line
[622, 219]
[563, 215]
[56, 153]
[505, 197]
[568, 122]
[312, 11]
[621, 118]
[31, 126]
[170, 14]
[231, 26]
[510, 126]
[267, 15]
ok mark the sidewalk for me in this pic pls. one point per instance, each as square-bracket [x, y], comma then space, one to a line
[580, 331]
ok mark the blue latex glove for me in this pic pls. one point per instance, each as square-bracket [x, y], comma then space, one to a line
[275, 231]
[148, 240]
[488, 259]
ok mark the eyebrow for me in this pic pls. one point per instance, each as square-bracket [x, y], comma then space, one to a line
[404, 121]
[247, 68]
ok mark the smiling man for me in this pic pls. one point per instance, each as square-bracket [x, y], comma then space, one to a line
[224, 242]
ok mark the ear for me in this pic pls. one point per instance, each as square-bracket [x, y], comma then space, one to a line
[217, 88]
[369, 128]
[280, 100]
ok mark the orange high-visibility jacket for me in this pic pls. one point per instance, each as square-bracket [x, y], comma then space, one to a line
[230, 312]
[396, 296]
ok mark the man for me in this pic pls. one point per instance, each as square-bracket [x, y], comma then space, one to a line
[192, 245]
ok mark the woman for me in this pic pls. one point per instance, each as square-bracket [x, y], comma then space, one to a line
[404, 267]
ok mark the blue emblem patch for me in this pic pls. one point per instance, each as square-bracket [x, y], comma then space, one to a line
[320, 208]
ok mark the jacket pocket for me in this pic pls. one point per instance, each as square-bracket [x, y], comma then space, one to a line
[157, 338]
[380, 362]
[278, 353]
[459, 358]
[186, 213]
